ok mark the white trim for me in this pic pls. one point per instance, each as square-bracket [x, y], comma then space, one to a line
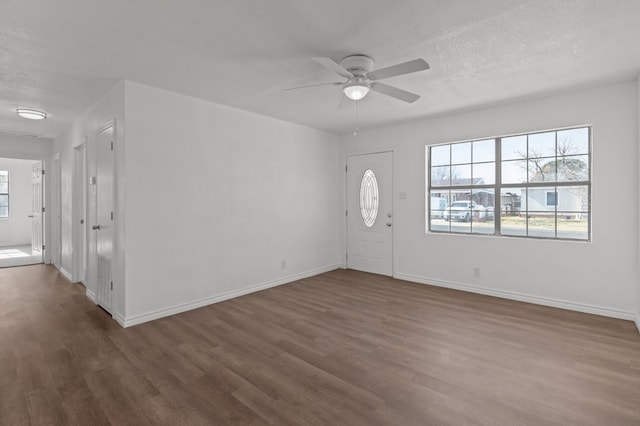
[91, 296]
[165, 312]
[64, 272]
[512, 295]
[638, 321]
[119, 319]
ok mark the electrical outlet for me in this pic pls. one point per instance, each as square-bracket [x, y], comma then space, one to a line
[283, 264]
[476, 272]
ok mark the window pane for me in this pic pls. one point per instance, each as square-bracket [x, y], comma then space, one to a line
[542, 170]
[440, 155]
[369, 198]
[4, 200]
[573, 141]
[483, 211]
[513, 201]
[573, 225]
[4, 175]
[573, 168]
[514, 148]
[484, 174]
[484, 151]
[541, 224]
[514, 171]
[4, 187]
[461, 175]
[573, 198]
[438, 203]
[459, 211]
[461, 153]
[4, 211]
[513, 208]
[542, 145]
[440, 176]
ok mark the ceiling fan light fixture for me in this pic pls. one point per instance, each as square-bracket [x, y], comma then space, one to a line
[31, 114]
[356, 90]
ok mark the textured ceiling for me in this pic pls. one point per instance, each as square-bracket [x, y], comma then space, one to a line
[62, 55]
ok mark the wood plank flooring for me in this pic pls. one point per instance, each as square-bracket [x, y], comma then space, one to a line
[342, 348]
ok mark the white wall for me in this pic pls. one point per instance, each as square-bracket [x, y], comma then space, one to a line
[600, 276]
[110, 107]
[216, 198]
[24, 147]
[16, 229]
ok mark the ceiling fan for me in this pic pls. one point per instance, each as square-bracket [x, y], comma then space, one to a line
[357, 69]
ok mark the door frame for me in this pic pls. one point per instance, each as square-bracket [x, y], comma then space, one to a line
[56, 214]
[79, 212]
[393, 204]
[42, 209]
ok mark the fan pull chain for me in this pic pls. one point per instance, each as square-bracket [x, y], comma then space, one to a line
[355, 132]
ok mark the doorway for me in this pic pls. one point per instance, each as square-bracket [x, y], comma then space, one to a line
[21, 212]
[370, 213]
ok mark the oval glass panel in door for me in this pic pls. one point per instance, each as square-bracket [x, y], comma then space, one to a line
[369, 198]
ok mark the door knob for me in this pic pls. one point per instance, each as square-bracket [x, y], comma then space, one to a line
[389, 224]
[31, 216]
[96, 227]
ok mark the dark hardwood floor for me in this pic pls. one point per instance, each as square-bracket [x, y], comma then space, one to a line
[342, 348]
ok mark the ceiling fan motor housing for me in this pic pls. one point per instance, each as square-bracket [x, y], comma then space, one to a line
[358, 65]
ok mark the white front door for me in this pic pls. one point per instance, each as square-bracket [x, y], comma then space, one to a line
[370, 213]
[37, 240]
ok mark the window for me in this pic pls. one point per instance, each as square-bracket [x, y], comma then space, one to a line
[4, 194]
[369, 198]
[531, 185]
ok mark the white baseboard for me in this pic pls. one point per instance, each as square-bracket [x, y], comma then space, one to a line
[165, 312]
[66, 273]
[545, 301]
[91, 296]
[119, 319]
[638, 321]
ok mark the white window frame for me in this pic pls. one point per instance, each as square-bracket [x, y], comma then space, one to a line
[497, 188]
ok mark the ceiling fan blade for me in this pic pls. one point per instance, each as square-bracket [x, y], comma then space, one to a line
[394, 92]
[335, 83]
[399, 69]
[333, 66]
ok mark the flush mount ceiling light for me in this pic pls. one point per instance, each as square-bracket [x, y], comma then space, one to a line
[356, 89]
[31, 114]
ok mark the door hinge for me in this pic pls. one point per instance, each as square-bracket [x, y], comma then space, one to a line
[43, 247]
[346, 212]
[43, 172]
[43, 210]
[111, 145]
[345, 169]
[111, 285]
[111, 215]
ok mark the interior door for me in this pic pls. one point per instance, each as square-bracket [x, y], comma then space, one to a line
[79, 228]
[370, 213]
[37, 240]
[104, 215]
